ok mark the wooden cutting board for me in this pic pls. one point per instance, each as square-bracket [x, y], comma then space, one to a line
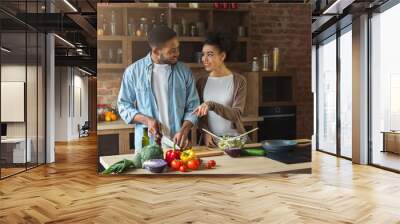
[203, 151]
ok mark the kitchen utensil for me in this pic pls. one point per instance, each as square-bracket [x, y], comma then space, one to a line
[244, 134]
[215, 136]
[278, 145]
[168, 143]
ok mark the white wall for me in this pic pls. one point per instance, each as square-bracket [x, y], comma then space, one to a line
[69, 85]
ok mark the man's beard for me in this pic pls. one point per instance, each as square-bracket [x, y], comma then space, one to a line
[164, 60]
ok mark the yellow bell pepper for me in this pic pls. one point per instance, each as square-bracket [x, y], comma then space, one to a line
[188, 155]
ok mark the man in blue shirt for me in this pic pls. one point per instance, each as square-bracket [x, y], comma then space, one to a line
[159, 92]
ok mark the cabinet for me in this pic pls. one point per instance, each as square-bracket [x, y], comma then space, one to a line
[120, 46]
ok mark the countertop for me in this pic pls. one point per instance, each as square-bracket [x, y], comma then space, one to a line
[113, 125]
[120, 124]
[225, 165]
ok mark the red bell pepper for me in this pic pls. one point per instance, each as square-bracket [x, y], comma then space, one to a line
[172, 155]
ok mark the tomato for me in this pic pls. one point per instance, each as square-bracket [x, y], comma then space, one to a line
[193, 164]
[213, 163]
[183, 168]
[208, 166]
[176, 164]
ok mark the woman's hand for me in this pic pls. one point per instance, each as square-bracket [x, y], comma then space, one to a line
[209, 141]
[201, 110]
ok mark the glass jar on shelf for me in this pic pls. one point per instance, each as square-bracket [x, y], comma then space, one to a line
[131, 27]
[119, 56]
[111, 57]
[113, 24]
[143, 26]
[265, 62]
[255, 67]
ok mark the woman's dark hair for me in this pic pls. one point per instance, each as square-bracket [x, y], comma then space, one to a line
[223, 41]
[159, 35]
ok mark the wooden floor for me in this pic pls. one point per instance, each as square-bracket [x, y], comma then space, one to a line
[387, 159]
[70, 191]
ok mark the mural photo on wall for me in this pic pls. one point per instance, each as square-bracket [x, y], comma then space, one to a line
[181, 91]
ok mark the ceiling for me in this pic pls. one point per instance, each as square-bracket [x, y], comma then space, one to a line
[76, 26]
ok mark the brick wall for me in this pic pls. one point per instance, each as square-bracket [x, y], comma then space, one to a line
[288, 27]
[108, 84]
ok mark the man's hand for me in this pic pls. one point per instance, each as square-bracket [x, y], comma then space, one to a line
[181, 139]
[153, 126]
[209, 141]
[201, 110]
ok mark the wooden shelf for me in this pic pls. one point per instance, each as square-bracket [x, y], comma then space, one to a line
[228, 64]
[111, 38]
[110, 66]
[194, 65]
[232, 10]
[243, 39]
[191, 9]
[185, 39]
[138, 39]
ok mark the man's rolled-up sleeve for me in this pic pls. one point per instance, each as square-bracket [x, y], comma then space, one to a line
[192, 100]
[127, 97]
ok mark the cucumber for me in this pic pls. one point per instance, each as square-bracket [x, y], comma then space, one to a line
[254, 152]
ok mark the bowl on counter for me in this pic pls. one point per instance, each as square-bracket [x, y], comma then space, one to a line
[155, 165]
[228, 142]
[234, 152]
[280, 145]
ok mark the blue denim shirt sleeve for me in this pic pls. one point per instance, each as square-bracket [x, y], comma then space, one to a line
[127, 97]
[192, 99]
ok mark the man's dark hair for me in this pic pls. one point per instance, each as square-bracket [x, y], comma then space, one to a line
[159, 35]
[223, 41]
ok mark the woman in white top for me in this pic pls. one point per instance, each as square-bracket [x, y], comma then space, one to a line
[222, 92]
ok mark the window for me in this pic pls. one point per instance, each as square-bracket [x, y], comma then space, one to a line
[346, 92]
[385, 87]
[327, 95]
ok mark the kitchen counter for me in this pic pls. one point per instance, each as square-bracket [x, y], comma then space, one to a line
[115, 137]
[114, 125]
[225, 165]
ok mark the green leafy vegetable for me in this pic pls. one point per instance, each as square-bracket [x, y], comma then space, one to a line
[119, 167]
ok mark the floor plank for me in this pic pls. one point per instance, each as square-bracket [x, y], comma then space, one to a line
[70, 191]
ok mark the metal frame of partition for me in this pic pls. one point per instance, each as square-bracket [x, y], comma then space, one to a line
[43, 54]
[340, 29]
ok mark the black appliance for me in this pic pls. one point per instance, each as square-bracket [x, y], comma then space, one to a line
[3, 129]
[279, 122]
